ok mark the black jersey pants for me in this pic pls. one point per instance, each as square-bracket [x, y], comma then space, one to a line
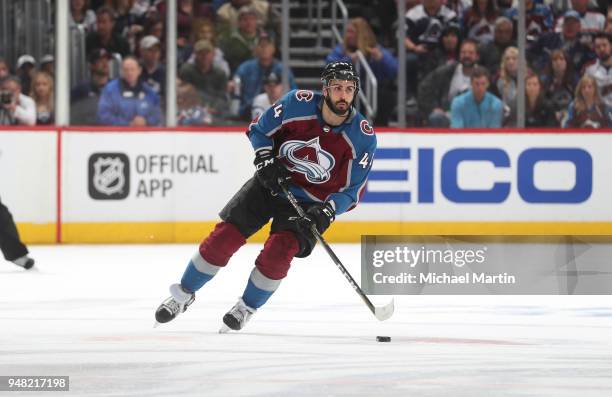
[10, 243]
[253, 206]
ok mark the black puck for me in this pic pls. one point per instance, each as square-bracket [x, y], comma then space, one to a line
[383, 339]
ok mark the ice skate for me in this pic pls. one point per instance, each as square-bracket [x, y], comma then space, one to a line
[174, 305]
[237, 317]
[25, 261]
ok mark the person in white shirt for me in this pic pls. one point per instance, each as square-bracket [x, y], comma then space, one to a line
[601, 70]
[273, 90]
[20, 109]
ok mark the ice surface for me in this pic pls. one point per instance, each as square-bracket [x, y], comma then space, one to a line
[87, 312]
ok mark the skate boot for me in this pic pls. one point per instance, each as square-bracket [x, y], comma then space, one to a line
[174, 305]
[237, 317]
[25, 261]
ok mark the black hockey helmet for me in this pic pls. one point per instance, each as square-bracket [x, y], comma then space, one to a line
[340, 71]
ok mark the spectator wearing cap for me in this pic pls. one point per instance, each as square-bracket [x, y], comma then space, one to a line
[209, 80]
[601, 70]
[228, 15]
[81, 14]
[153, 72]
[273, 90]
[359, 36]
[204, 29]
[591, 22]
[439, 87]
[568, 40]
[539, 18]
[478, 21]
[25, 68]
[84, 98]
[127, 101]
[47, 64]
[105, 35]
[477, 108]
[491, 52]
[252, 72]
[21, 110]
[237, 44]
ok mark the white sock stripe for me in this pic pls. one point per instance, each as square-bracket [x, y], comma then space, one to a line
[203, 266]
[263, 282]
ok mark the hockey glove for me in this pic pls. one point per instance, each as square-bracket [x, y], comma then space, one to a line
[270, 170]
[319, 215]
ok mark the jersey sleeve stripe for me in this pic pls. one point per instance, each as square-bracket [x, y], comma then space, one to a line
[348, 176]
[350, 143]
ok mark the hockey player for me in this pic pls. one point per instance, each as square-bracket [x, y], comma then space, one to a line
[11, 245]
[322, 145]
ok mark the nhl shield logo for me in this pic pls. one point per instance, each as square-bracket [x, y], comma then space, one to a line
[109, 177]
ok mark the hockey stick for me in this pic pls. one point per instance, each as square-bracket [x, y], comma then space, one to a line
[382, 312]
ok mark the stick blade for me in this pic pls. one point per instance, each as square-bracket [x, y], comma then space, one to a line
[383, 313]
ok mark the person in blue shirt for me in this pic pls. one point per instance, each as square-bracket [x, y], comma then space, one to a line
[477, 108]
[127, 100]
[324, 147]
[251, 75]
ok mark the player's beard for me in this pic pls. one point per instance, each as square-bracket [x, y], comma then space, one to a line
[334, 109]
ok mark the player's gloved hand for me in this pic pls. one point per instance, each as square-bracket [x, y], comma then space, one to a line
[319, 215]
[270, 172]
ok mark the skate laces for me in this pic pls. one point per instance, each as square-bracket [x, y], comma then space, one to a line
[241, 311]
[173, 305]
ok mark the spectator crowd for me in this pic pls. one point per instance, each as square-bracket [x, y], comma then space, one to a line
[462, 63]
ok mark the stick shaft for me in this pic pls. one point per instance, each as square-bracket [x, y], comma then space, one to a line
[329, 251]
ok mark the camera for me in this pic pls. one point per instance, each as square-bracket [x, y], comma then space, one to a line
[6, 97]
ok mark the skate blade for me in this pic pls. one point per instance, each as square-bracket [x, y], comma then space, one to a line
[156, 324]
[224, 329]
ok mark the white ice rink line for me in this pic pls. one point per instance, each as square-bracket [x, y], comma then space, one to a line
[87, 312]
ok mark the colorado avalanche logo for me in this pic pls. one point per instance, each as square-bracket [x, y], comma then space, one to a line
[304, 95]
[366, 128]
[309, 159]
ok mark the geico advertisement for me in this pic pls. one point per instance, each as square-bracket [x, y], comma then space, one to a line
[464, 177]
[151, 176]
[28, 175]
[489, 177]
